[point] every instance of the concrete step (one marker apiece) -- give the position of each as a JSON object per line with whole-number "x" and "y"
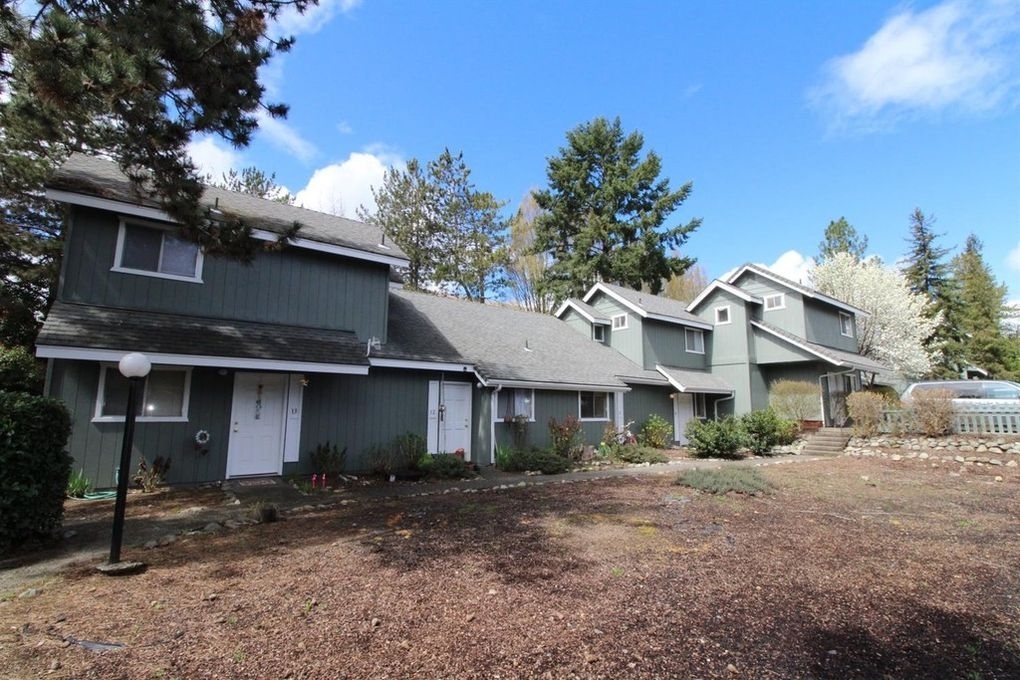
{"x": 828, "y": 441}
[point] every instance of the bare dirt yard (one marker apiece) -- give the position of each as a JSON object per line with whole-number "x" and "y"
{"x": 848, "y": 568}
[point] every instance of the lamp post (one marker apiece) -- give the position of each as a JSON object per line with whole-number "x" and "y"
{"x": 134, "y": 367}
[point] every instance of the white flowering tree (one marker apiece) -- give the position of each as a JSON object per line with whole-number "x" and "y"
{"x": 895, "y": 331}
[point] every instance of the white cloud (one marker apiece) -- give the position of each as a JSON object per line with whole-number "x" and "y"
{"x": 286, "y": 138}
{"x": 794, "y": 266}
{"x": 344, "y": 128}
{"x": 291, "y": 22}
{"x": 958, "y": 55}
{"x": 1013, "y": 258}
{"x": 212, "y": 157}
{"x": 341, "y": 188}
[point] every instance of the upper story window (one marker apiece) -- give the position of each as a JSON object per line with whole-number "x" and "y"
{"x": 152, "y": 251}
{"x": 694, "y": 341}
{"x": 619, "y": 322}
{"x": 722, "y": 315}
{"x": 593, "y": 405}
{"x": 514, "y": 402}
{"x": 777, "y": 301}
{"x": 164, "y": 396}
{"x": 598, "y": 333}
{"x": 846, "y": 325}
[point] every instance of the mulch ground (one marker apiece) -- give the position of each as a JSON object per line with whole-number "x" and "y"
{"x": 847, "y": 569}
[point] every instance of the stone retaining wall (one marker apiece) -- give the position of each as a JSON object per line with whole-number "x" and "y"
{"x": 984, "y": 450}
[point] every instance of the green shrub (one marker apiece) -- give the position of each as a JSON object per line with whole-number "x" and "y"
{"x": 656, "y": 432}
{"x": 640, "y": 454}
{"x": 715, "y": 438}
{"x": 34, "y": 467}
{"x": 329, "y": 459}
{"x": 762, "y": 429}
{"x": 738, "y": 479}
{"x": 931, "y": 412}
{"x": 564, "y": 436}
{"x": 546, "y": 462}
{"x": 78, "y": 485}
{"x": 866, "y": 409}
{"x": 796, "y": 400}
{"x": 447, "y": 466}
{"x": 19, "y": 371}
{"x": 788, "y": 431}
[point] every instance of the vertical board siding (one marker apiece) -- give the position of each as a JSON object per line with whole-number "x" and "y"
{"x": 627, "y": 341}
{"x": 823, "y": 326}
{"x": 556, "y": 404}
{"x": 362, "y": 412}
{"x": 644, "y": 400}
{"x": 95, "y": 447}
{"x": 294, "y": 286}
{"x": 666, "y": 344}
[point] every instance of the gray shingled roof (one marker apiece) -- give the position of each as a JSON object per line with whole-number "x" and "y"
{"x": 830, "y": 354}
{"x": 655, "y": 304}
{"x": 103, "y": 179}
{"x": 790, "y": 283}
{"x": 505, "y": 344}
{"x": 695, "y": 381}
{"x": 85, "y": 326}
{"x": 584, "y": 307}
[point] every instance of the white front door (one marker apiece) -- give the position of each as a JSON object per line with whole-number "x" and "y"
{"x": 449, "y": 421}
{"x": 257, "y": 420}
{"x": 683, "y": 412}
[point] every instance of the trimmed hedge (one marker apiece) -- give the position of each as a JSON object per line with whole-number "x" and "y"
{"x": 546, "y": 462}
{"x": 34, "y": 466}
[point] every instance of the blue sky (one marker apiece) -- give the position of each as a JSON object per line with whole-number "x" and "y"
{"x": 784, "y": 115}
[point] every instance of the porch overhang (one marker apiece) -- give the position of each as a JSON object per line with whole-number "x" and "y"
{"x": 694, "y": 381}
{"x": 562, "y": 387}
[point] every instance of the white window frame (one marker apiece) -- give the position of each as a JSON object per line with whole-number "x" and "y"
{"x": 598, "y": 332}
{"x": 602, "y": 418}
{"x": 622, "y": 318}
{"x": 530, "y": 399}
{"x": 98, "y": 417}
{"x": 846, "y": 325}
{"x": 775, "y": 301}
{"x": 694, "y": 332}
{"x": 118, "y": 267}
{"x": 723, "y": 311}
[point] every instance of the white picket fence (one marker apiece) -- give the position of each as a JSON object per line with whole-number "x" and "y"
{"x": 986, "y": 419}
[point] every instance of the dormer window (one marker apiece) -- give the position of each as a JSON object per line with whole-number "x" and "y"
{"x": 777, "y": 301}
{"x": 846, "y": 325}
{"x": 619, "y": 322}
{"x": 722, "y": 315}
{"x": 151, "y": 251}
{"x": 598, "y": 333}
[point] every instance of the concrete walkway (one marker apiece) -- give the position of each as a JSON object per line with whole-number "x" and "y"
{"x": 89, "y": 540}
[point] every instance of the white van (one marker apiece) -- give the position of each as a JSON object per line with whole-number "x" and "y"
{"x": 973, "y": 394}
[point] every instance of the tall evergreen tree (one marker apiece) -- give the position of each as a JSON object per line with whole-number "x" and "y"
{"x": 983, "y": 311}
{"x": 451, "y": 232}
{"x": 604, "y": 213}
{"x": 841, "y": 237}
{"x": 136, "y": 80}
{"x": 928, "y": 274}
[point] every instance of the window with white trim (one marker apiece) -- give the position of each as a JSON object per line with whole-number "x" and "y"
{"x": 515, "y": 401}
{"x": 619, "y": 322}
{"x": 694, "y": 341}
{"x": 598, "y": 333}
{"x": 846, "y": 325}
{"x": 722, "y": 315}
{"x": 593, "y": 405}
{"x": 151, "y": 251}
{"x": 164, "y": 397}
{"x": 777, "y": 301}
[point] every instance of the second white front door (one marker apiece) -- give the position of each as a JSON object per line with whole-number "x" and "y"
{"x": 256, "y": 424}
{"x": 683, "y": 412}
{"x": 449, "y": 420}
